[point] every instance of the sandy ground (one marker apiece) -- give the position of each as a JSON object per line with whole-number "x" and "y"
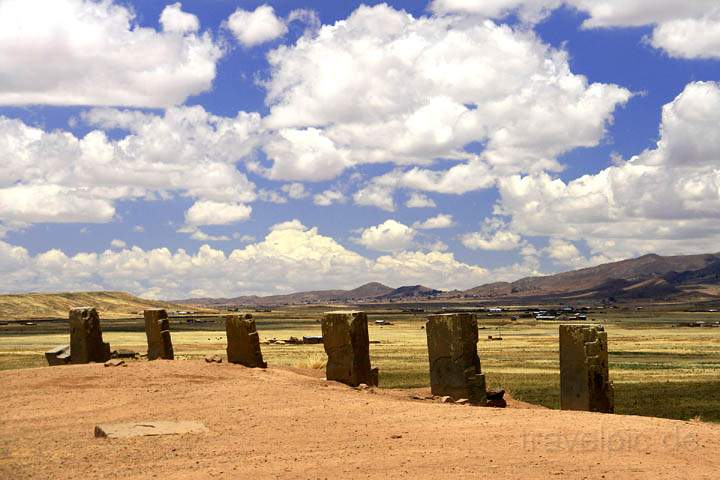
{"x": 278, "y": 423}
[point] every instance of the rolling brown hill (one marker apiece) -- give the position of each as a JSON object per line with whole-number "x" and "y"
{"x": 649, "y": 277}
{"x": 373, "y": 291}
{"x": 56, "y": 305}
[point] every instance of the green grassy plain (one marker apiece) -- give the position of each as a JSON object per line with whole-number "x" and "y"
{"x": 658, "y": 369}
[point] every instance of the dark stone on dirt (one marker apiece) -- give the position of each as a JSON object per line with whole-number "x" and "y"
{"x": 497, "y": 403}
{"x": 157, "y": 330}
{"x": 115, "y": 363}
{"x": 584, "y": 378}
{"x": 346, "y": 342}
{"x": 495, "y": 394}
{"x": 454, "y": 362}
{"x": 243, "y": 341}
{"x": 59, "y": 355}
{"x": 86, "y": 342}
{"x": 312, "y": 340}
{"x": 122, "y": 353}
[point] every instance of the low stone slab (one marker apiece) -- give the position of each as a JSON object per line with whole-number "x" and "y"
{"x": 59, "y": 355}
{"x": 147, "y": 429}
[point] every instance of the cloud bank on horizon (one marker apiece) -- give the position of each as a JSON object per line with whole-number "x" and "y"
{"x": 175, "y": 151}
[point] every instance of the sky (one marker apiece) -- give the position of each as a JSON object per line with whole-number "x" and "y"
{"x": 233, "y": 147}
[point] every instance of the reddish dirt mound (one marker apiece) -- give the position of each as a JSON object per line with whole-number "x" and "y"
{"x": 280, "y": 424}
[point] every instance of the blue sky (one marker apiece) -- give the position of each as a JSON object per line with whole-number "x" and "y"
{"x": 219, "y": 147}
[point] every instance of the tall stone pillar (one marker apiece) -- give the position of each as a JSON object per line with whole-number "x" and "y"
{"x": 347, "y": 344}
{"x": 584, "y": 378}
{"x": 243, "y": 341}
{"x": 454, "y": 363}
{"x": 157, "y": 330}
{"x": 86, "y": 342}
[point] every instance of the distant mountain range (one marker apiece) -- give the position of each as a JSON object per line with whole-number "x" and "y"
{"x": 370, "y": 291}
{"x": 650, "y": 277}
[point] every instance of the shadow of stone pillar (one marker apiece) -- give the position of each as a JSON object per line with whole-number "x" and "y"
{"x": 454, "y": 362}
{"x": 347, "y": 344}
{"x": 86, "y": 342}
{"x": 157, "y": 330}
{"x": 584, "y": 375}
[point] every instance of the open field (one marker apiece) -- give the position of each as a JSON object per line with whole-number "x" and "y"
{"x": 658, "y": 370}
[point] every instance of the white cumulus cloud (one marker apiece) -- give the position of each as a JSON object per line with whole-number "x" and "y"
{"x": 685, "y": 29}
{"x": 329, "y": 197}
{"x": 442, "y": 220}
{"x": 385, "y": 87}
{"x": 418, "y": 200}
{"x": 389, "y": 236}
{"x": 85, "y": 52}
{"x": 494, "y": 235}
{"x": 665, "y": 200}
{"x": 207, "y": 212}
{"x": 252, "y": 28}
{"x": 174, "y": 20}
{"x": 54, "y": 176}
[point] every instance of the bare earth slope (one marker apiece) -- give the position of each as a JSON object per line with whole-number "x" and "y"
{"x": 649, "y": 276}
{"x": 279, "y": 424}
{"x": 56, "y": 305}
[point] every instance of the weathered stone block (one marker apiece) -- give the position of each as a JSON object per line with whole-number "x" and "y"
{"x": 147, "y": 429}
{"x": 243, "y": 341}
{"x": 86, "y": 342}
{"x": 584, "y": 378}
{"x": 347, "y": 344}
{"x": 454, "y": 362}
{"x": 59, "y": 355}
{"x": 157, "y": 330}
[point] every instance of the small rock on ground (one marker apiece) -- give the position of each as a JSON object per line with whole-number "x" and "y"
{"x": 115, "y": 363}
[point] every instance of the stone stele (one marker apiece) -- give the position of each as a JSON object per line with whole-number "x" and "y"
{"x": 347, "y": 344}
{"x": 86, "y": 342}
{"x": 584, "y": 379}
{"x": 157, "y": 330}
{"x": 243, "y": 341}
{"x": 454, "y": 362}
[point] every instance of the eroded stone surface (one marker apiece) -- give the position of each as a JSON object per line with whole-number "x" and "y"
{"x": 157, "y": 330}
{"x": 147, "y": 429}
{"x": 454, "y": 362}
{"x": 86, "y": 342}
{"x": 243, "y": 341}
{"x": 59, "y": 355}
{"x": 346, "y": 342}
{"x": 584, "y": 377}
